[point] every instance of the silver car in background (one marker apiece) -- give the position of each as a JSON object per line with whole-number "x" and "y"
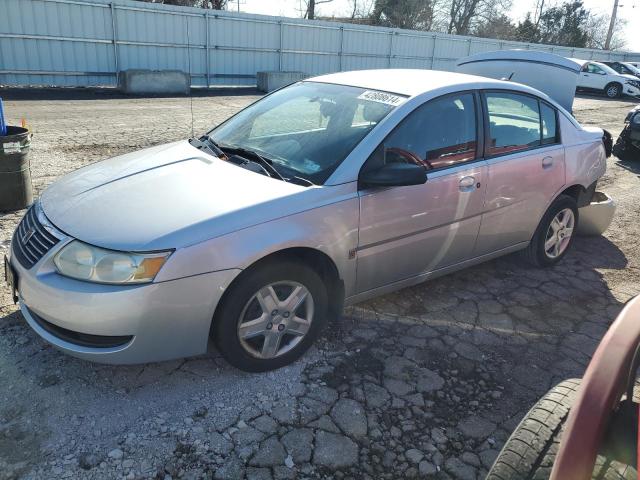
{"x": 324, "y": 193}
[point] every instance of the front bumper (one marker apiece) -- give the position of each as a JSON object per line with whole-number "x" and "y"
{"x": 631, "y": 90}
{"x": 120, "y": 324}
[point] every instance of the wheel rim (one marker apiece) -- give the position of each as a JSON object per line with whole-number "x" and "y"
{"x": 275, "y": 319}
{"x": 559, "y": 233}
{"x": 612, "y": 91}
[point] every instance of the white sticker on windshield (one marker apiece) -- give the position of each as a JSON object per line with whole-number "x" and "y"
{"x": 382, "y": 97}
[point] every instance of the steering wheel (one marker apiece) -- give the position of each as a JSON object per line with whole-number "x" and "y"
{"x": 409, "y": 157}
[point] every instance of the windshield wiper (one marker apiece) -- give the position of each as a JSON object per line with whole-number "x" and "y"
{"x": 301, "y": 181}
{"x": 213, "y": 146}
{"x": 256, "y": 158}
{"x": 200, "y": 145}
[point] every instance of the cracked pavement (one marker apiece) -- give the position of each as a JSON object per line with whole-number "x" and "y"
{"x": 427, "y": 382}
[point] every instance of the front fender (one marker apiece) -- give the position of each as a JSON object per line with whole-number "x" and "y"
{"x": 331, "y": 229}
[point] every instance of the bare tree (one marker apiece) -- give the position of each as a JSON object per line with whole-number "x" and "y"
{"x": 465, "y": 15}
{"x": 309, "y": 8}
{"x": 211, "y": 4}
{"x": 361, "y": 8}
{"x": 597, "y": 27}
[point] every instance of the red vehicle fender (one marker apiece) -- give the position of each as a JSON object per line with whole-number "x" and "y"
{"x": 602, "y": 387}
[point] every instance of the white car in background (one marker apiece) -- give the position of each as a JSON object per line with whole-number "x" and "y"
{"x": 596, "y": 76}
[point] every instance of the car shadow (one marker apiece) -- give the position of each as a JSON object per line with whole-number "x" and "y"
{"x": 632, "y": 166}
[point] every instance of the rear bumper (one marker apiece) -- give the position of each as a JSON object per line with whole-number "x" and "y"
{"x": 121, "y": 324}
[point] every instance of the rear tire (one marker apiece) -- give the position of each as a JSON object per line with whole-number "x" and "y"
{"x": 246, "y": 349}
{"x": 613, "y": 90}
{"x": 537, "y": 252}
{"x": 531, "y": 450}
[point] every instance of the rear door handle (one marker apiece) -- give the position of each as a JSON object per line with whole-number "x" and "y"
{"x": 467, "y": 184}
{"x": 547, "y": 162}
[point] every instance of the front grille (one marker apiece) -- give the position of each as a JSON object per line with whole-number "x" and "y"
{"x": 81, "y": 339}
{"x": 31, "y": 239}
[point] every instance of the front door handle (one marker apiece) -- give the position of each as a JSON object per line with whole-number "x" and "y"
{"x": 547, "y": 162}
{"x": 467, "y": 184}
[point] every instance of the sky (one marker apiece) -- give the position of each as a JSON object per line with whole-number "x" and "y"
{"x": 629, "y": 10}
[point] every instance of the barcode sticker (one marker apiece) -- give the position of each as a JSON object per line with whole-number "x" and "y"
{"x": 11, "y": 147}
{"x": 382, "y": 97}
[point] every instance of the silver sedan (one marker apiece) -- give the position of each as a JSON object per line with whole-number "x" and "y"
{"x": 324, "y": 193}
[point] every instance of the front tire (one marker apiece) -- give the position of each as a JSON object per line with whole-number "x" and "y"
{"x": 270, "y": 316}
{"x": 613, "y": 90}
{"x": 531, "y": 450}
{"x": 554, "y": 235}
{"x": 532, "y": 447}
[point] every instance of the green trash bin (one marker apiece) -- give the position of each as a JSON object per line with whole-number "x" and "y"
{"x": 16, "y": 191}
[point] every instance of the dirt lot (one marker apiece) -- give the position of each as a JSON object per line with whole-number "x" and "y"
{"x": 424, "y": 383}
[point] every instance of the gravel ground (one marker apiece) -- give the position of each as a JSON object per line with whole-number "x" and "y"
{"x": 427, "y": 382}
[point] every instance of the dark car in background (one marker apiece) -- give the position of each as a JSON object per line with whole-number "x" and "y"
{"x": 627, "y": 146}
{"x": 624, "y": 68}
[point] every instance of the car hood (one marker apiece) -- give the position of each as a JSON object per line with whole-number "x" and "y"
{"x": 164, "y": 197}
{"x": 627, "y": 76}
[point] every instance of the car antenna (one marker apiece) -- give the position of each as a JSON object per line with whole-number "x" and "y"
{"x": 186, "y": 19}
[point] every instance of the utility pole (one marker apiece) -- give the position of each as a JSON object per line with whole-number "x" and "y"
{"x": 612, "y": 24}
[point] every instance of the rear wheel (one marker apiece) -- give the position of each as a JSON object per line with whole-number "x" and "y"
{"x": 554, "y": 234}
{"x": 613, "y": 90}
{"x": 531, "y": 450}
{"x": 270, "y": 316}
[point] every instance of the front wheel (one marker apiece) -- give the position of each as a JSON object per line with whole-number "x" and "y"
{"x": 554, "y": 234}
{"x": 270, "y": 316}
{"x": 613, "y": 90}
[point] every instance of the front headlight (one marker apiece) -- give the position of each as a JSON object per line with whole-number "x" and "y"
{"x": 93, "y": 264}
{"x": 636, "y": 119}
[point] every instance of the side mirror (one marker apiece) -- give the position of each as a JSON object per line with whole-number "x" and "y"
{"x": 394, "y": 175}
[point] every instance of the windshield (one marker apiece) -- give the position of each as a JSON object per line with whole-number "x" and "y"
{"x": 307, "y": 129}
{"x": 630, "y": 66}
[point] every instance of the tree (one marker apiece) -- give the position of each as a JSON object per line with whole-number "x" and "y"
{"x": 528, "y": 30}
{"x": 499, "y": 26}
{"x": 310, "y": 8}
{"x": 211, "y": 4}
{"x": 466, "y": 15}
{"x": 411, "y": 14}
{"x": 566, "y": 24}
{"x": 360, "y": 9}
{"x": 596, "y": 29}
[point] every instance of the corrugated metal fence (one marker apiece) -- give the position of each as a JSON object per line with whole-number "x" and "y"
{"x": 86, "y": 43}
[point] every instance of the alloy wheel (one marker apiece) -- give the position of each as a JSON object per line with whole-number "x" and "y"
{"x": 275, "y": 319}
{"x": 612, "y": 91}
{"x": 559, "y": 233}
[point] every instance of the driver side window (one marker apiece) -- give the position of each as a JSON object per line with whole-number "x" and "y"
{"x": 438, "y": 134}
{"x": 595, "y": 69}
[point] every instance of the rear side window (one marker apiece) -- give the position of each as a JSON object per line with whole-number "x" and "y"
{"x": 549, "y": 126}
{"x": 438, "y": 134}
{"x": 514, "y": 123}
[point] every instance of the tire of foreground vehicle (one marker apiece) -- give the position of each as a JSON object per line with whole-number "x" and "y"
{"x": 531, "y": 450}
{"x": 250, "y": 315}
{"x": 536, "y": 253}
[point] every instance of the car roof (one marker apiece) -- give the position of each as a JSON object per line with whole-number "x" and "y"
{"x": 412, "y": 82}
